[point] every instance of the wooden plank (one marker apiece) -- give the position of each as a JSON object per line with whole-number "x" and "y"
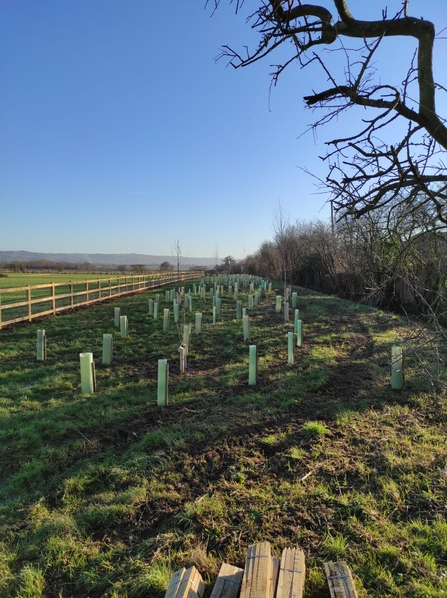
{"x": 185, "y": 583}
{"x": 340, "y": 581}
{"x": 291, "y": 574}
{"x": 228, "y": 582}
{"x": 258, "y": 571}
{"x": 274, "y": 576}
{"x": 176, "y": 578}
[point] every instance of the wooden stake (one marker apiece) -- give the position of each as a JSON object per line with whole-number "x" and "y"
{"x": 291, "y": 574}
{"x": 274, "y": 577}
{"x": 228, "y": 582}
{"x": 186, "y": 583}
{"x": 162, "y": 385}
{"x": 339, "y": 579}
{"x": 258, "y": 572}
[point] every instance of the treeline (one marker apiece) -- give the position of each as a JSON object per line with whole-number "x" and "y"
{"x": 44, "y": 266}
{"x": 383, "y": 260}
{"x": 49, "y": 266}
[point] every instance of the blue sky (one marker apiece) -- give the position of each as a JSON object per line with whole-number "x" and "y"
{"x": 119, "y": 132}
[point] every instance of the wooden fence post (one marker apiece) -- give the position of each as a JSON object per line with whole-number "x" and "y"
{"x": 28, "y": 298}
{"x": 53, "y": 297}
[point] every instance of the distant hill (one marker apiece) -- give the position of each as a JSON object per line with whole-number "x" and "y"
{"x": 105, "y": 259}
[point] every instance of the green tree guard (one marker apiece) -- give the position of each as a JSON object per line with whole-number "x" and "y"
{"x": 252, "y": 365}
{"x": 124, "y": 326}
{"x": 198, "y": 323}
{"x": 238, "y": 310}
{"x": 41, "y": 345}
{"x": 291, "y": 348}
{"x": 299, "y": 333}
{"x": 246, "y": 327}
{"x": 186, "y": 336}
{"x": 107, "y": 349}
{"x": 162, "y": 384}
{"x": 278, "y": 303}
{"x": 88, "y": 381}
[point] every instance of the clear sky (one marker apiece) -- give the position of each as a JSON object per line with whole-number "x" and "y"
{"x": 119, "y": 133}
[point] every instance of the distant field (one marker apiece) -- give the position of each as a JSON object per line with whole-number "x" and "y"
{"x": 21, "y": 280}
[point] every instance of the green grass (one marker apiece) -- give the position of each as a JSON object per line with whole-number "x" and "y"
{"x": 15, "y": 289}
{"x": 107, "y": 494}
{"x": 12, "y": 280}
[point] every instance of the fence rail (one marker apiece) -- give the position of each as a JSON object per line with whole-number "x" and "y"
{"x": 25, "y": 303}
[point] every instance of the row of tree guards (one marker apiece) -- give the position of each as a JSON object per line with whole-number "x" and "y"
{"x": 178, "y": 298}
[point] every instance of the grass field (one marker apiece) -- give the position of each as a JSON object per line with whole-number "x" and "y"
{"x": 21, "y": 280}
{"x": 14, "y": 290}
{"x": 108, "y": 494}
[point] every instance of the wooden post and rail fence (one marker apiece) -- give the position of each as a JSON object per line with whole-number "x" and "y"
{"x": 23, "y": 304}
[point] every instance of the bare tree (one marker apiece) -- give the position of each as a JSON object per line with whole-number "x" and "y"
{"x": 401, "y": 141}
{"x": 285, "y": 240}
{"x": 216, "y": 256}
{"x": 177, "y": 255}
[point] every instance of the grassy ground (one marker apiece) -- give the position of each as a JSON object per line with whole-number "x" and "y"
{"x": 11, "y": 280}
{"x": 107, "y": 494}
{"x": 14, "y": 290}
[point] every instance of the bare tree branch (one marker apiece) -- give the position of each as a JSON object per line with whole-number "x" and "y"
{"x": 368, "y": 169}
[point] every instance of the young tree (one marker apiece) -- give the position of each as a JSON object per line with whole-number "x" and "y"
{"x": 177, "y": 255}
{"x": 401, "y": 141}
